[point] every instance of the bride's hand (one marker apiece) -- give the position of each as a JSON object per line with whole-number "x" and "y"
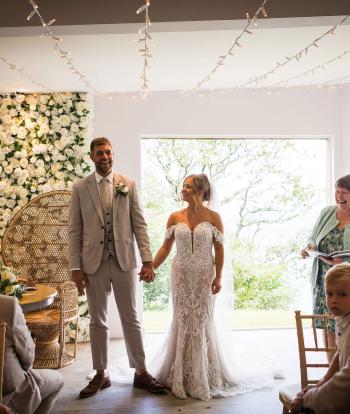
{"x": 216, "y": 285}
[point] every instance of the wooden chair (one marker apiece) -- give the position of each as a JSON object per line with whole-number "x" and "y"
{"x": 2, "y": 354}
{"x": 312, "y": 354}
{"x": 36, "y": 244}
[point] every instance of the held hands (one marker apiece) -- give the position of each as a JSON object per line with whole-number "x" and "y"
{"x": 81, "y": 281}
{"x": 147, "y": 272}
{"x": 216, "y": 286}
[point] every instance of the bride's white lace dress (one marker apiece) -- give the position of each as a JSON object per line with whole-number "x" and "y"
{"x": 193, "y": 363}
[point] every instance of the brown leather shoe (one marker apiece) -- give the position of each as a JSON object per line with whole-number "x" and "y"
{"x": 99, "y": 382}
{"x": 148, "y": 383}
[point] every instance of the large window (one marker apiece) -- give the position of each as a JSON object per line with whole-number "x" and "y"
{"x": 271, "y": 192}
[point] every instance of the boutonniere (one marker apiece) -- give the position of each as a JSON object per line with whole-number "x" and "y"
{"x": 121, "y": 188}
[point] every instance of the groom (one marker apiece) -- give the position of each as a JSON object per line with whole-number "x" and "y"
{"x": 105, "y": 216}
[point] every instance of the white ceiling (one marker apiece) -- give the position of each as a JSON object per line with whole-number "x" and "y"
{"x": 184, "y": 53}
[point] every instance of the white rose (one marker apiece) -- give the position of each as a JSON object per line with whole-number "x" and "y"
{"x": 23, "y": 162}
{"x": 18, "y": 172}
{"x": 59, "y": 145}
{"x": 78, "y": 170}
{"x": 10, "y": 203}
{"x": 55, "y": 120}
{"x": 39, "y": 149}
{"x": 64, "y": 141}
{"x": 39, "y": 172}
{"x": 74, "y": 127}
{"x": 47, "y": 158}
{"x": 59, "y": 175}
{"x": 13, "y": 112}
{"x": 8, "y": 169}
{"x": 80, "y": 106}
{"x": 69, "y": 152}
{"x": 33, "y": 160}
{"x": 51, "y": 102}
{"x": 65, "y": 120}
{"x": 2, "y": 201}
{"x": 47, "y": 113}
{"x": 13, "y": 162}
{"x": 13, "y": 130}
{"x": 69, "y": 167}
{"x": 23, "y": 192}
{"x": 40, "y": 163}
{"x": 22, "y": 132}
{"x": 9, "y": 290}
{"x": 22, "y": 202}
{"x": 46, "y": 187}
{"x": 3, "y": 185}
{"x": 6, "y": 138}
{"x": 4, "y": 163}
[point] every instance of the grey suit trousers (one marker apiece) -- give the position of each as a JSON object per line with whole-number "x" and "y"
{"x": 108, "y": 275}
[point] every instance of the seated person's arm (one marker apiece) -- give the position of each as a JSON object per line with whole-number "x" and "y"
{"x": 22, "y": 339}
{"x": 332, "y": 395}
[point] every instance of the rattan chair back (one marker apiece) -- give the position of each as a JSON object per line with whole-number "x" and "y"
{"x": 36, "y": 241}
{"x": 36, "y": 244}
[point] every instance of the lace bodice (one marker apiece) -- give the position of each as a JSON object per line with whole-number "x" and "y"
{"x": 198, "y": 241}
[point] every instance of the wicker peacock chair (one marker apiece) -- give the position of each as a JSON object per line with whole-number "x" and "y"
{"x": 36, "y": 244}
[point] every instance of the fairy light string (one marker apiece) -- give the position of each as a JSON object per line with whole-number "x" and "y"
{"x": 236, "y": 43}
{"x": 296, "y": 57}
{"x": 144, "y": 49}
{"x": 63, "y": 54}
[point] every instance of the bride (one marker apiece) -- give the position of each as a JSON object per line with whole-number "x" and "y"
{"x": 193, "y": 363}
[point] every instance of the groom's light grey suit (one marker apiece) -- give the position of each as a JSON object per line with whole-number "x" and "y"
{"x": 101, "y": 244}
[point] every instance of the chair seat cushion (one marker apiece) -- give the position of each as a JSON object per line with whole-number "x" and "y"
{"x": 287, "y": 394}
{"x": 44, "y": 317}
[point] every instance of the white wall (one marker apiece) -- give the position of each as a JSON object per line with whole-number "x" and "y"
{"x": 295, "y": 112}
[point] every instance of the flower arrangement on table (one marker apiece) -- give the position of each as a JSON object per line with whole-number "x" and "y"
{"x": 9, "y": 284}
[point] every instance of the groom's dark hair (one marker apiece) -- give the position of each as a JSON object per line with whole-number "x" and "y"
{"x": 99, "y": 141}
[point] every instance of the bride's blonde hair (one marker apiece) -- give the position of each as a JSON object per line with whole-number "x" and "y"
{"x": 201, "y": 184}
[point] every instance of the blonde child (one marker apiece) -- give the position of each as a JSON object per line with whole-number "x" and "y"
{"x": 331, "y": 395}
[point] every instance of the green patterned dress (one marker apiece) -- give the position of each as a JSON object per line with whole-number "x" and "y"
{"x": 332, "y": 242}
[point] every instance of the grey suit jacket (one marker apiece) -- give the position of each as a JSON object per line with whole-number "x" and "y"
{"x": 19, "y": 377}
{"x": 86, "y": 226}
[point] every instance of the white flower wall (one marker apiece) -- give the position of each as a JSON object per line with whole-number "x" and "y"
{"x": 44, "y": 145}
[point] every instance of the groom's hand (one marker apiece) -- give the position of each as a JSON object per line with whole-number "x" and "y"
{"x": 147, "y": 272}
{"x": 81, "y": 280}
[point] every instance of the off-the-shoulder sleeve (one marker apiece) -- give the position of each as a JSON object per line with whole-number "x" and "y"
{"x": 169, "y": 232}
{"x": 218, "y": 236}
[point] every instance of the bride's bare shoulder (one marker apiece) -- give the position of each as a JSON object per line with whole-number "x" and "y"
{"x": 214, "y": 218}
{"x": 175, "y": 217}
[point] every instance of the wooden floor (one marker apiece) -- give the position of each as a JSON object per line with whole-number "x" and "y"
{"x": 124, "y": 399}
